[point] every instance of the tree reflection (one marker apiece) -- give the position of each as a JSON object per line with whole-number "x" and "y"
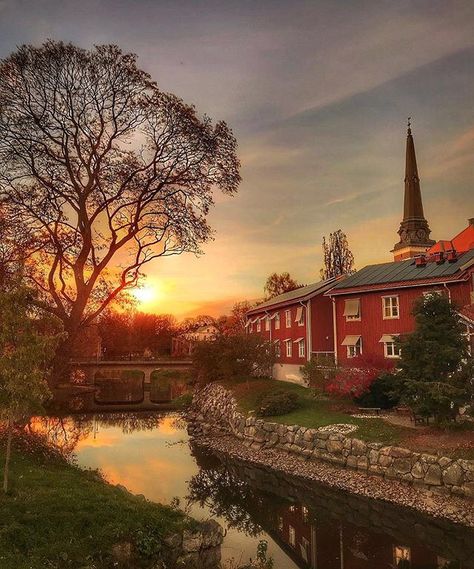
{"x": 230, "y": 497}
{"x": 62, "y": 433}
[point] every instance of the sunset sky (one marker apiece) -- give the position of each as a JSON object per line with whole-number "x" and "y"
{"x": 317, "y": 94}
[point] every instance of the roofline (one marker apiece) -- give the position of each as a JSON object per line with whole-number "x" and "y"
{"x": 394, "y": 285}
{"x": 322, "y": 291}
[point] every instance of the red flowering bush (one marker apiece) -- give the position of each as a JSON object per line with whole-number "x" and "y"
{"x": 356, "y": 380}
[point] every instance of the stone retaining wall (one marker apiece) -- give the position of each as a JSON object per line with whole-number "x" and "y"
{"x": 214, "y": 407}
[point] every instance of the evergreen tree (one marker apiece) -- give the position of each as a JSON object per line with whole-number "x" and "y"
{"x": 434, "y": 367}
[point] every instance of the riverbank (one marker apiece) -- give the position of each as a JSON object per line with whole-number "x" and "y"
{"x": 217, "y": 425}
{"x": 57, "y": 515}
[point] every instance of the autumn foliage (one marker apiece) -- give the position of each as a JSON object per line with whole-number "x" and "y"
{"x": 357, "y": 379}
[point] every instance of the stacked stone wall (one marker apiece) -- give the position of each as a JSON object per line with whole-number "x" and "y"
{"x": 214, "y": 408}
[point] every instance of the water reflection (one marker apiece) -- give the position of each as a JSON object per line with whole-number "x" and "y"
{"x": 307, "y": 526}
{"x": 321, "y": 528}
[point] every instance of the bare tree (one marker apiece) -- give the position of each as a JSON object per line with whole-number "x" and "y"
{"x": 338, "y": 259}
{"x": 105, "y": 170}
{"x": 278, "y": 284}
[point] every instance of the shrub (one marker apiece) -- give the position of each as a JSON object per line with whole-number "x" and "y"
{"x": 227, "y": 357}
{"x": 381, "y": 393}
{"x": 356, "y": 380}
{"x": 278, "y": 403}
{"x": 319, "y": 372}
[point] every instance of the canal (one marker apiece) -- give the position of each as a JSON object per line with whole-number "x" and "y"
{"x": 306, "y": 526}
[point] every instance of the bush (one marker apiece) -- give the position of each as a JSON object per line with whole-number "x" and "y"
{"x": 228, "y": 357}
{"x": 319, "y": 372}
{"x": 278, "y": 403}
{"x": 381, "y": 393}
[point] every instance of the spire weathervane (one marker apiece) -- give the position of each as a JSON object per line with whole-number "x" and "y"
{"x": 409, "y": 125}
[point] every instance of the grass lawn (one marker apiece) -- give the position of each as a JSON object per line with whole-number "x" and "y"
{"x": 59, "y": 516}
{"x": 316, "y": 413}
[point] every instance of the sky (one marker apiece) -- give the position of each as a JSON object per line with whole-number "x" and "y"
{"x": 317, "y": 94}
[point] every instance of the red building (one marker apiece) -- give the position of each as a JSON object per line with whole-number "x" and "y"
{"x": 299, "y": 323}
{"x": 373, "y": 306}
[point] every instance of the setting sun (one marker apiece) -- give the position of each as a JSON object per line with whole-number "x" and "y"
{"x": 147, "y": 294}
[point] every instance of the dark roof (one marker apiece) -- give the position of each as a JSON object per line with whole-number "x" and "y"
{"x": 401, "y": 271}
{"x": 302, "y": 293}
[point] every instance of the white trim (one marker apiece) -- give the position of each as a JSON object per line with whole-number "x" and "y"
{"x": 308, "y": 330}
{"x": 391, "y": 306}
{"x": 288, "y": 319}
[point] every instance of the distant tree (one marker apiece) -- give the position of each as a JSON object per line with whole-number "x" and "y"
{"x": 227, "y": 357}
{"x": 435, "y": 368}
{"x": 106, "y": 171}
{"x": 25, "y": 355}
{"x": 278, "y": 284}
{"x": 234, "y": 323}
{"x": 338, "y": 259}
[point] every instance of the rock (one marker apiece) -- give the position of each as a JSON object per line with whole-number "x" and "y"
{"x": 433, "y": 475}
{"x": 453, "y": 475}
{"x": 334, "y": 446}
{"x": 398, "y": 452}
{"x": 417, "y": 470}
{"x": 192, "y": 541}
{"x": 402, "y": 465}
{"x": 358, "y": 447}
{"x": 385, "y": 460}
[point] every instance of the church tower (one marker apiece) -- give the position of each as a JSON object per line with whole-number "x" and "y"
{"x": 414, "y": 231}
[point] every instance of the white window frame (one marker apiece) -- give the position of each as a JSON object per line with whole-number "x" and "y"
{"x": 259, "y": 325}
{"x": 289, "y": 348}
{"x": 355, "y": 350}
{"x": 354, "y": 318}
{"x": 288, "y": 318}
{"x": 401, "y": 553}
{"x": 389, "y": 308}
{"x": 277, "y": 321}
{"x": 267, "y": 324}
{"x": 301, "y": 349}
{"x": 390, "y": 350}
{"x": 278, "y": 349}
{"x": 291, "y": 536}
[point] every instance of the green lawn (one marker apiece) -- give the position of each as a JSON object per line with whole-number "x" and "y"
{"x": 313, "y": 412}
{"x": 59, "y": 516}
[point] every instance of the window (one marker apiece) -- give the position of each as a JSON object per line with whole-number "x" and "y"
{"x": 292, "y": 536}
{"x": 352, "y": 309}
{"x": 300, "y": 342}
{"x": 251, "y": 327}
{"x": 305, "y": 513}
{"x": 304, "y": 548}
{"x": 299, "y": 316}
{"x": 267, "y": 323}
{"x": 277, "y": 321}
{"x": 389, "y": 345}
{"x": 259, "y": 325}
{"x": 390, "y": 307}
{"x": 280, "y": 523}
{"x": 288, "y": 318}
{"x": 289, "y": 351}
{"x": 277, "y": 349}
{"x": 354, "y": 346}
{"x": 402, "y": 556}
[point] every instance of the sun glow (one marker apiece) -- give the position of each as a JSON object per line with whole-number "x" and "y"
{"x": 147, "y": 295}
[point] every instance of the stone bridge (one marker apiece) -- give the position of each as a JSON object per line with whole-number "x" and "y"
{"x": 91, "y": 367}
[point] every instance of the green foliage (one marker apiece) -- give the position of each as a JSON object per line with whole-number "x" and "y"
{"x": 227, "y": 357}
{"x": 435, "y": 369}
{"x": 279, "y": 284}
{"x": 317, "y": 372}
{"x": 278, "y": 403}
{"x": 25, "y": 354}
{"x": 60, "y": 516}
{"x": 382, "y": 393}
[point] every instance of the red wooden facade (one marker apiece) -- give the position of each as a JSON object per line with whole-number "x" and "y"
{"x": 299, "y": 326}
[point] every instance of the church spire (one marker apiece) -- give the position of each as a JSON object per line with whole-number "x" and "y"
{"x": 414, "y": 231}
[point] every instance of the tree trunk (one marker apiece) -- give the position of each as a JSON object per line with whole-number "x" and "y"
{"x": 61, "y": 365}
{"x": 7, "y": 456}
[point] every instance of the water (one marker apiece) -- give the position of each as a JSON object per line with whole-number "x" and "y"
{"x": 305, "y": 526}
